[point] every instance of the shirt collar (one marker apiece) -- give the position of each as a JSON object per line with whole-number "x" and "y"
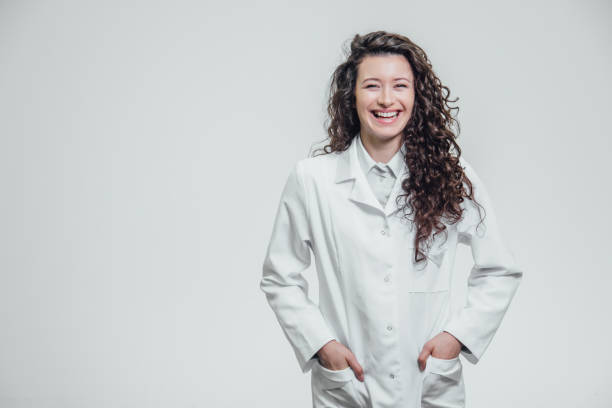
{"x": 367, "y": 162}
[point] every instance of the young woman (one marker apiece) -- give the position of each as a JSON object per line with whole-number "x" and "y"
{"x": 383, "y": 209}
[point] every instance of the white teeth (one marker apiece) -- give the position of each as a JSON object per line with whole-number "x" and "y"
{"x": 386, "y": 114}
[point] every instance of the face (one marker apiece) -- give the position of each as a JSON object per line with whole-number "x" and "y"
{"x": 384, "y": 95}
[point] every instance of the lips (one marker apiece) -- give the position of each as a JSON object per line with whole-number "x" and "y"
{"x": 386, "y": 121}
{"x": 386, "y": 111}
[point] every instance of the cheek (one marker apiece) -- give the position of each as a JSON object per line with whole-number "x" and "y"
{"x": 362, "y": 102}
{"x": 363, "y": 109}
{"x": 408, "y": 100}
{"x": 408, "y": 104}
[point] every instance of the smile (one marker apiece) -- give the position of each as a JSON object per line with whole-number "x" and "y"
{"x": 386, "y": 117}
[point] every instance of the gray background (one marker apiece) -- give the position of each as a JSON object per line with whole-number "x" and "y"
{"x": 144, "y": 146}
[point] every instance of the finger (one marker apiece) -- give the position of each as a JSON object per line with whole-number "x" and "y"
{"x": 355, "y": 366}
{"x": 425, "y": 353}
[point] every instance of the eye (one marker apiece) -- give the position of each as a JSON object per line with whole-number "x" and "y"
{"x": 367, "y": 86}
{"x": 405, "y": 86}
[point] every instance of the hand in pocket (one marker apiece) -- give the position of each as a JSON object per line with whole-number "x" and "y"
{"x": 443, "y": 346}
{"x": 336, "y": 356}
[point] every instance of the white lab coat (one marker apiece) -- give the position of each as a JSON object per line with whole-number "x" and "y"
{"x": 373, "y": 298}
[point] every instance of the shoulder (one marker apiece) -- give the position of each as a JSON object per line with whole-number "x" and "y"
{"x": 317, "y": 168}
{"x": 479, "y": 191}
{"x": 471, "y": 174}
{"x": 468, "y": 169}
{"x": 480, "y": 202}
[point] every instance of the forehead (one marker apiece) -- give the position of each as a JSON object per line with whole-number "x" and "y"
{"x": 384, "y": 66}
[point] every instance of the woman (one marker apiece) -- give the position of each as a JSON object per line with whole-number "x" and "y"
{"x": 383, "y": 210}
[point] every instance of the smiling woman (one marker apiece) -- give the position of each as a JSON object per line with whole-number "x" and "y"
{"x": 383, "y": 334}
{"x": 384, "y": 96}
{"x": 387, "y": 72}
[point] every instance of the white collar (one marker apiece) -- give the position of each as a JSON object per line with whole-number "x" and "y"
{"x": 367, "y": 162}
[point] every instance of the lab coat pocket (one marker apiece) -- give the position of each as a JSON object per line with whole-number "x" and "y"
{"x": 432, "y": 274}
{"x": 443, "y": 385}
{"x": 337, "y": 384}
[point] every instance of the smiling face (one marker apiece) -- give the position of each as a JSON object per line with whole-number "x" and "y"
{"x": 384, "y": 96}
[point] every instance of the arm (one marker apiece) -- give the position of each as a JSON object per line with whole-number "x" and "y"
{"x": 493, "y": 279}
{"x": 286, "y": 290}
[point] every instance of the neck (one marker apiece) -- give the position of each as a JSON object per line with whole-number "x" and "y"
{"x": 381, "y": 150}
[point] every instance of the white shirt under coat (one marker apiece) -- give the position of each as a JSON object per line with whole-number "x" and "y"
{"x": 381, "y": 176}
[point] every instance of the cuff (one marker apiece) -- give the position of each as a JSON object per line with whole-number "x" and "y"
{"x": 465, "y": 348}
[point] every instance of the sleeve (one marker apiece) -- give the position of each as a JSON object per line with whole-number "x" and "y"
{"x": 493, "y": 280}
{"x": 286, "y": 290}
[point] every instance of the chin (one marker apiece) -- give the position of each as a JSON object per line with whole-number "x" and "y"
{"x": 386, "y": 134}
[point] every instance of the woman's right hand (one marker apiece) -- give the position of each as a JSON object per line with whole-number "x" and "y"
{"x": 336, "y": 356}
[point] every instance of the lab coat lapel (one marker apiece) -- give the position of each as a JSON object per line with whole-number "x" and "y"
{"x": 361, "y": 192}
{"x": 348, "y": 169}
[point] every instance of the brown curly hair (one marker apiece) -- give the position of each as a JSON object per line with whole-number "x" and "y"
{"x": 436, "y": 184}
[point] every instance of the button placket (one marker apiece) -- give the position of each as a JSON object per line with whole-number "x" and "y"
{"x": 389, "y": 328}
{"x": 385, "y": 233}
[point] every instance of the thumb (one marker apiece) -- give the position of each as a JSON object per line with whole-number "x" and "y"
{"x": 425, "y": 353}
{"x": 355, "y": 366}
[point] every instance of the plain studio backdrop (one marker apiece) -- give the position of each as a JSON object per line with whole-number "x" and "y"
{"x": 144, "y": 147}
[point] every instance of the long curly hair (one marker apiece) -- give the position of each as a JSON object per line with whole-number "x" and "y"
{"x": 436, "y": 184}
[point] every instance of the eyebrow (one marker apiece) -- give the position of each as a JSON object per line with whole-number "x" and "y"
{"x": 395, "y": 79}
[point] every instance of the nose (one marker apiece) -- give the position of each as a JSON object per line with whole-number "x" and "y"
{"x": 385, "y": 97}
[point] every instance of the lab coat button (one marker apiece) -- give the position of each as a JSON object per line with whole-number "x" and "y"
{"x": 392, "y": 376}
{"x": 383, "y": 232}
{"x": 387, "y": 278}
{"x": 389, "y": 328}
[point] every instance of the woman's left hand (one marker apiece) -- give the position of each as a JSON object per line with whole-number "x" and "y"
{"x": 444, "y": 345}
